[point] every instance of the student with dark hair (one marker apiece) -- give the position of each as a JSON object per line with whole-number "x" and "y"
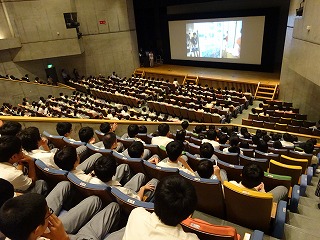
{"x": 110, "y": 141}
{"x": 234, "y": 145}
{"x": 185, "y": 125}
{"x": 262, "y": 146}
{"x": 28, "y": 217}
{"x": 223, "y": 138}
{"x": 252, "y": 177}
{"x": 107, "y": 128}
{"x": 162, "y": 139}
{"x": 207, "y": 169}
{"x": 6, "y": 191}
{"x": 175, "y": 200}
{"x": 244, "y": 145}
{"x": 308, "y": 149}
{"x": 207, "y": 152}
{"x": 211, "y": 138}
{"x": 37, "y": 146}
{"x": 64, "y": 129}
{"x": 143, "y": 129}
{"x": 12, "y": 163}
{"x": 105, "y": 169}
{"x": 287, "y": 140}
{"x": 10, "y": 128}
{"x": 277, "y": 144}
{"x": 175, "y": 160}
{"x": 86, "y": 135}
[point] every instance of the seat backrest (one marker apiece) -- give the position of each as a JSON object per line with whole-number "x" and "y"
{"x": 208, "y": 231}
{"x": 99, "y": 134}
{"x": 73, "y": 143}
{"x": 135, "y": 164}
{"x": 56, "y": 140}
{"x": 269, "y": 125}
{"x": 295, "y": 161}
{"x": 194, "y": 149}
{"x": 162, "y": 152}
{"x": 50, "y": 175}
{"x": 93, "y": 149}
{"x": 268, "y": 156}
{"x": 154, "y": 171}
{"x": 278, "y": 151}
{"x": 234, "y": 171}
{"x": 145, "y": 137}
{"x": 300, "y": 155}
{"x": 126, "y": 142}
{"x": 192, "y": 161}
{"x": 273, "y": 180}
{"x": 89, "y": 189}
{"x": 288, "y": 170}
{"x": 247, "y": 152}
{"x": 231, "y": 158}
{"x": 210, "y": 195}
{"x": 154, "y": 149}
{"x": 195, "y": 141}
{"x": 127, "y": 203}
{"x": 248, "y": 208}
{"x": 262, "y": 162}
{"x": 247, "y": 122}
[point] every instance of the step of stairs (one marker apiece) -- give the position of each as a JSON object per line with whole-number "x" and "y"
{"x": 310, "y": 192}
{"x": 295, "y": 233}
{"x": 309, "y": 212}
{"x": 309, "y": 202}
{"x": 301, "y": 221}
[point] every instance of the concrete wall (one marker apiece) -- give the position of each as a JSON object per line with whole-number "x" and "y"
{"x": 40, "y": 26}
{"x": 300, "y": 76}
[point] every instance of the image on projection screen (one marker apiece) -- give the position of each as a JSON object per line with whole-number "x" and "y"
{"x": 214, "y": 39}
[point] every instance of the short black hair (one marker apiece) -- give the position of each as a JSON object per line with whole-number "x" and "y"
{"x": 6, "y": 191}
{"x": 175, "y": 200}
{"x": 133, "y": 130}
{"x": 136, "y": 149}
{"x": 10, "y": 128}
{"x": 143, "y": 129}
{"x": 163, "y": 129}
{"x": 174, "y": 150}
{"x": 181, "y": 135}
{"x": 234, "y": 140}
{"x": 198, "y": 129}
{"x": 29, "y": 138}
{"x": 205, "y": 169}
{"x": 262, "y": 146}
{"x": 277, "y": 144}
{"x": 287, "y": 137}
{"x": 252, "y": 175}
{"x": 85, "y": 134}
{"x": 109, "y": 139}
{"x": 244, "y": 144}
{"x": 206, "y": 150}
{"x": 105, "y": 127}
{"x": 9, "y": 145}
{"x": 308, "y": 147}
{"x": 105, "y": 168}
{"x": 211, "y": 134}
{"x": 21, "y": 215}
{"x": 223, "y": 138}
{"x": 185, "y": 124}
{"x": 65, "y": 158}
{"x": 63, "y": 128}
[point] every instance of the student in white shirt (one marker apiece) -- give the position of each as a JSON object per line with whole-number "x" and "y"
{"x": 162, "y": 139}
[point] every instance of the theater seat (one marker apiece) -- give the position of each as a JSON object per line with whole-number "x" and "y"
{"x": 154, "y": 171}
{"x": 288, "y": 170}
{"x": 127, "y": 203}
{"x": 208, "y": 231}
{"x": 56, "y": 140}
{"x": 294, "y": 161}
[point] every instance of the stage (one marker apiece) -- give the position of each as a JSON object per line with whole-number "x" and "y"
{"x": 210, "y": 74}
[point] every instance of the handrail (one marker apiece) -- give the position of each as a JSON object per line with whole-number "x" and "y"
{"x": 255, "y": 95}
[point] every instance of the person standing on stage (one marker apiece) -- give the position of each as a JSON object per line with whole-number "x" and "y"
{"x": 151, "y": 59}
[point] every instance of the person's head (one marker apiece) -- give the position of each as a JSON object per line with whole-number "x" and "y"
{"x": 24, "y": 217}
{"x": 243, "y": 130}
{"x": 133, "y": 130}
{"x": 287, "y": 137}
{"x": 247, "y": 135}
{"x": 66, "y": 158}
{"x": 64, "y": 128}
{"x": 252, "y": 175}
{"x": 175, "y": 199}
{"x": 308, "y": 147}
{"x": 255, "y": 139}
{"x": 244, "y": 145}
{"x": 10, "y": 128}
{"x": 105, "y": 167}
{"x": 105, "y": 127}
{"x": 211, "y": 134}
{"x": 224, "y": 130}
{"x": 10, "y": 149}
{"x": 223, "y": 139}
{"x": 110, "y": 140}
{"x": 234, "y": 140}
{"x": 86, "y": 134}
{"x": 266, "y": 138}
{"x": 6, "y": 191}
{"x": 174, "y": 150}
{"x": 277, "y": 144}
{"x": 185, "y": 125}
{"x": 30, "y": 138}
{"x": 253, "y": 110}
{"x": 136, "y": 149}
{"x": 143, "y": 129}
{"x": 206, "y": 150}
{"x": 262, "y": 146}
{"x": 205, "y": 168}
{"x": 163, "y": 129}
{"x": 181, "y": 135}
{"x": 198, "y": 129}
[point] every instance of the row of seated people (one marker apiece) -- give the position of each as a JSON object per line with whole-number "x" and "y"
{"x": 98, "y": 224}
{"x": 282, "y": 124}
{"x": 155, "y": 90}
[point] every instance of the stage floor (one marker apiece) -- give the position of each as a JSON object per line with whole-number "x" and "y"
{"x": 214, "y": 74}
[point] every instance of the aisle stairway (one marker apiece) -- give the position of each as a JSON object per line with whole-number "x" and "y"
{"x": 266, "y": 91}
{"x": 305, "y": 224}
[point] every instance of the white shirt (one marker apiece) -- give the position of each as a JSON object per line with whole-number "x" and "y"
{"x": 19, "y": 181}
{"x": 145, "y": 225}
{"x": 287, "y": 144}
{"x": 178, "y": 165}
{"x": 161, "y": 141}
{"x": 45, "y": 156}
